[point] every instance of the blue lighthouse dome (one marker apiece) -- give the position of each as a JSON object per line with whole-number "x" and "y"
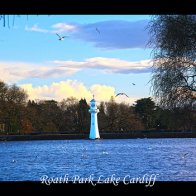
{"x": 93, "y": 103}
{"x": 93, "y": 100}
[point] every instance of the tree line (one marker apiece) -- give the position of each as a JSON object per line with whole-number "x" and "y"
{"x": 18, "y": 115}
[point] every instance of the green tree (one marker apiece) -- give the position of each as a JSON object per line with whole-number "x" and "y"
{"x": 127, "y": 120}
{"x": 34, "y": 115}
{"x": 51, "y": 115}
{"x": 112, "y": 115}
{"x": 145, "y": 108}
{"x": 83, "y": 116}
{"x": 45, "y": 116}
{"x": 12, "y": 106}
{"x": 102, "y": 122}
{"x": 3, "y": 104}
{"x": 70, "y": 120}
{"x": 173, "y": 38}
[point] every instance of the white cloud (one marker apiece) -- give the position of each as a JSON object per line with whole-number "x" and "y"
{"x": 15, "y": 71}
{"x": 112, "y": 65}
{"x": 35, "y": 28}
{"x": 73, "y": 88}
{"x": 56, "y": 28}
{"x": 102, "y": 92}
{"x": 63, "y": 27}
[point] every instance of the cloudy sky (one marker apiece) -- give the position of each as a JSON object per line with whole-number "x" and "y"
{"x": 101, "y": 55}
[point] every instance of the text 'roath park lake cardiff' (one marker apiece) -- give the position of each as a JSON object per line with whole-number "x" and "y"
{"x": 125, "y": 159}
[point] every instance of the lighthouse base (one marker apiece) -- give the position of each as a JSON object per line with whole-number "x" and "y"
{"x": 94, "y": 138}
{"x": 94, "y": 135}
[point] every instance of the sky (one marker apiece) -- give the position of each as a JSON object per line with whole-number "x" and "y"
{"x": 100, "y": 54}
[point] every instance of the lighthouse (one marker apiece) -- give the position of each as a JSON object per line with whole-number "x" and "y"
{"x": 94, "y": 131}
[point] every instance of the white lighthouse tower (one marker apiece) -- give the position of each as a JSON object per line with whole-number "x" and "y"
{"x": 94, "y": 131}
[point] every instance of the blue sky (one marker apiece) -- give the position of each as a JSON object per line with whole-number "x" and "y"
{"x": 101, "y": 55}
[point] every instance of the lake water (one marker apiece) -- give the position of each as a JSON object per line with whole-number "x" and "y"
{"x": 169, "y": 159}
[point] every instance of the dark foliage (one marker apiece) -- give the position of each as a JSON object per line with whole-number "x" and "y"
{"x": 20, "y": 116}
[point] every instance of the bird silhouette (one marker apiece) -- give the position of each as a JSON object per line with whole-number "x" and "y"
{"x": 133, "y": 83}
{"x": 97, "y": 30}
{"x": 61, "y": 38}
{"x": 184, "y": 155}
{"x": 121, "y": 94}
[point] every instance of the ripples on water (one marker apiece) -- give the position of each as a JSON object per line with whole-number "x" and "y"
{"x": 171, "y": 159}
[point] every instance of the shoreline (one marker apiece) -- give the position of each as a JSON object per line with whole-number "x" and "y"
{"x": 132, "y": 135}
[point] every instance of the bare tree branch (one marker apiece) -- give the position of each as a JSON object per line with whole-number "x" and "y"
{"x": 173, "y": 39}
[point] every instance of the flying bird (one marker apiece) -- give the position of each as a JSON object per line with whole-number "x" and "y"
{"x": 184, "y": 155}
{"x": 122, "y": 94}
{"x": 97, "y": 30}
{"x": 61, "y": 38}
{"x": 133, "y": 83}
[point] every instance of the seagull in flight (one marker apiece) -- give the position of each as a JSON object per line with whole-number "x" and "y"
{"x": 184, "y": 155}
{"x": 122, "y": 94}
{"x": 133, "y": 83}
{"x": 61, "y": 38}
{"x": 97, "y": 30}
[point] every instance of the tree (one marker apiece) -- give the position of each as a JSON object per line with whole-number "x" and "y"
{"x": 70, "y": 121}
{"x": 127, "y": 120}
{"x": 34, "y": 114}
{"x": 145, "y": 108}
{"x": 16, "y": 95}
{"x": 3, "y": 94}
{"x": 8, "y": 20}
{"x": 83, "y": 116}
{"x": 12, "y": 106}
{"x": 3, "y": 90}
{"x": 173, "y": 38}
{"x": 26, "y": 127}
{"x": 102, "y": 122}
{"x": 112, "y": 115}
